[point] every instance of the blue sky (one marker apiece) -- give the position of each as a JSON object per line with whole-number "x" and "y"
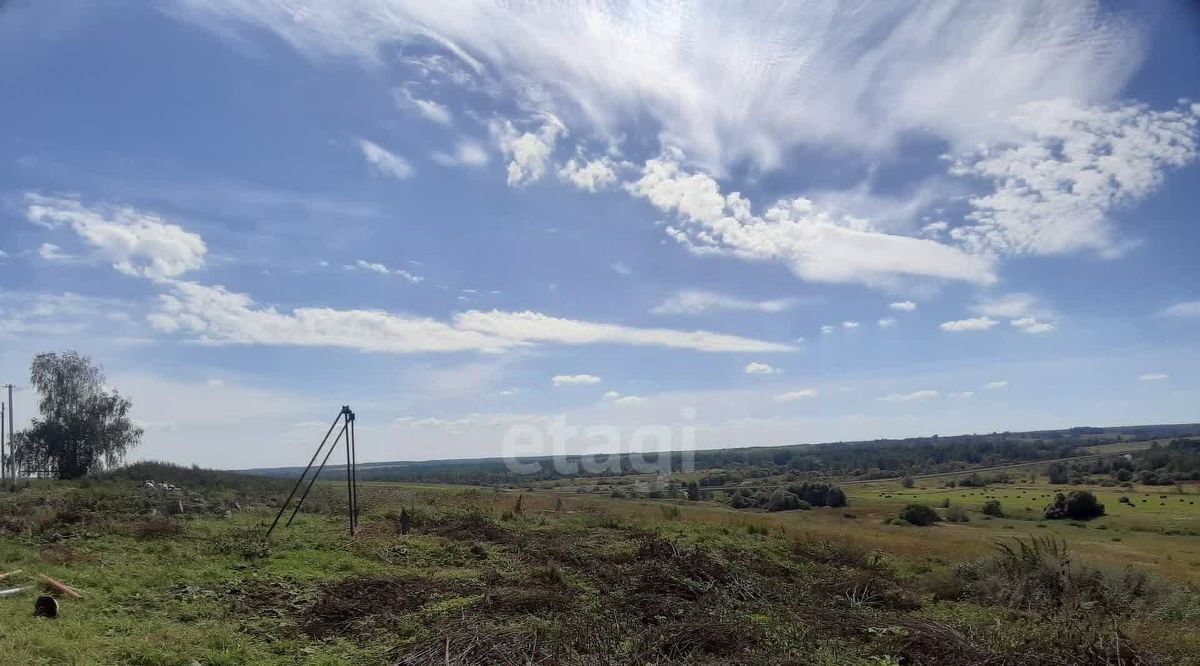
{"x": 770, "y": 224}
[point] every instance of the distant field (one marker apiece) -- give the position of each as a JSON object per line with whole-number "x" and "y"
{"x": 1125, "y": 535}
{"x": 1116, "y": 447}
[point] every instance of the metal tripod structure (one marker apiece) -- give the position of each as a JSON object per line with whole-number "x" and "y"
{"x": 346, "y": 419}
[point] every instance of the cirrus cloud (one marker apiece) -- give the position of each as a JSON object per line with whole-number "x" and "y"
{"x": 216, "y": 315}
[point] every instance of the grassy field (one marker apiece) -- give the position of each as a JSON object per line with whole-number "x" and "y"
{"x": 1161, "y": 532}
{"x": 553, "y": 579}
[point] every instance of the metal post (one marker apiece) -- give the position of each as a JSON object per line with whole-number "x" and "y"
{"x": 349, "y": 485}
{"x": 11, "y": 431}
{"x": 354, "y": 467}
{"x": 3, "y": 460}
{"x": 313, "y": 480}
{"x": 12, "y": 468}
{"x": 300, "y": 480}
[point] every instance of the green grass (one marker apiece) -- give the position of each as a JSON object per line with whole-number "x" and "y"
{"x": 210, "y": 594}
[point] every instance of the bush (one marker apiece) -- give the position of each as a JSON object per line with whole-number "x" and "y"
{"x": 1078, "y": 505}
{"x": 973, "y": 480}
{"x": 919, "y": 514}
{"x": 782, "y": 500}
{"x": 992, "y": 508}
{"x": 956, "y": 514}
{"x": 1039, "y": 575}
{"x": 1058, "y": 473}
{"x": 818, "y": 494}
{"x": 907, "y": 482}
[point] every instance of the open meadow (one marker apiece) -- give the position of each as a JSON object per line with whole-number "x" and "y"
{"x": 513, "y": 577}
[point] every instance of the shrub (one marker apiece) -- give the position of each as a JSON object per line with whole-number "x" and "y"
{"x": 956, "y": 514}
{"x": 1058, "y": 473}
{"x": 1078, "y": 505}
{"x": 972, "y": 481}
{"x": 992, "y": 508}
{"x": 907, "y": 482}
{"x": 1039, "y": 575}
{"x": 919, "y": 514}
{"x": 782, "y": 500}
{"x": 818, "y": 494}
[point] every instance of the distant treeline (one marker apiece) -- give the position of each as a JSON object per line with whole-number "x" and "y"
{"x": 1161, "y": 464}
{"x": 862, "y": 459}
{"x": 194, "y": 477}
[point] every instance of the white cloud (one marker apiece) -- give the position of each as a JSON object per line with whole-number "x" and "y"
{"x": 1184, "y": 309}
{"x": 887, "y": 322}
{"x": 427, "y": 108}
{"x": 903, "y": 306}
{"x": 1067, "y": 167}
{"x": 696, "y": 301}
{"x": 622, "y": 269}
{"x": 53, "y": 253}
{"x": 998, "y": 384}
{"x": 962, "y": 395}
{"x": 973, "y": 324}
{"x": 467, "y": 152}
{"x": 1032, "y": 326}
{"x": 215, "y": 315}
{"x": 1023, "y": 311}
{"x": 535, "y": 327}
{"x": 136, "y": 243}
{"x": 849, "y": 324}
{"x": 592, "y": 176}
{"x": 528, "y": 152}
{"x": 1011, "y": 306}
{"x": 792, "y": 396}
{"x": 569, "y": 380}
{"x": 935, "y": 229}
{"x": 619, "y": 399}
{"x": 375, "y": 267}
{"x": 801, "y": 74}
{"x": 757, "y": 368}
{"x": 1153, "y": 377}
{"x": 817, "y": 246}
{"x": 926, "y": 394}
{"x": 827, "y": 329}
{"x": 384, "y": 161}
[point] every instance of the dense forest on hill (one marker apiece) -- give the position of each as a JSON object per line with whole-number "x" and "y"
{"x": 863, "y": 459}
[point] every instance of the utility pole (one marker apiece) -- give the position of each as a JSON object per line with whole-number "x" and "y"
{"x": 3, "y": 474}
{"x": 12, "y": 469}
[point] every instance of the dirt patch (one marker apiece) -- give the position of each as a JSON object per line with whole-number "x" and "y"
{"x": 60, "y": 555}
{"x": 358, "y": 604}
{"x": 266, "y": 597}
{"x": 468, "y": 526}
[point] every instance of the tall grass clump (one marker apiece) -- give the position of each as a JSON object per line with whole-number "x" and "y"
{"x": 1038, "y": 575}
